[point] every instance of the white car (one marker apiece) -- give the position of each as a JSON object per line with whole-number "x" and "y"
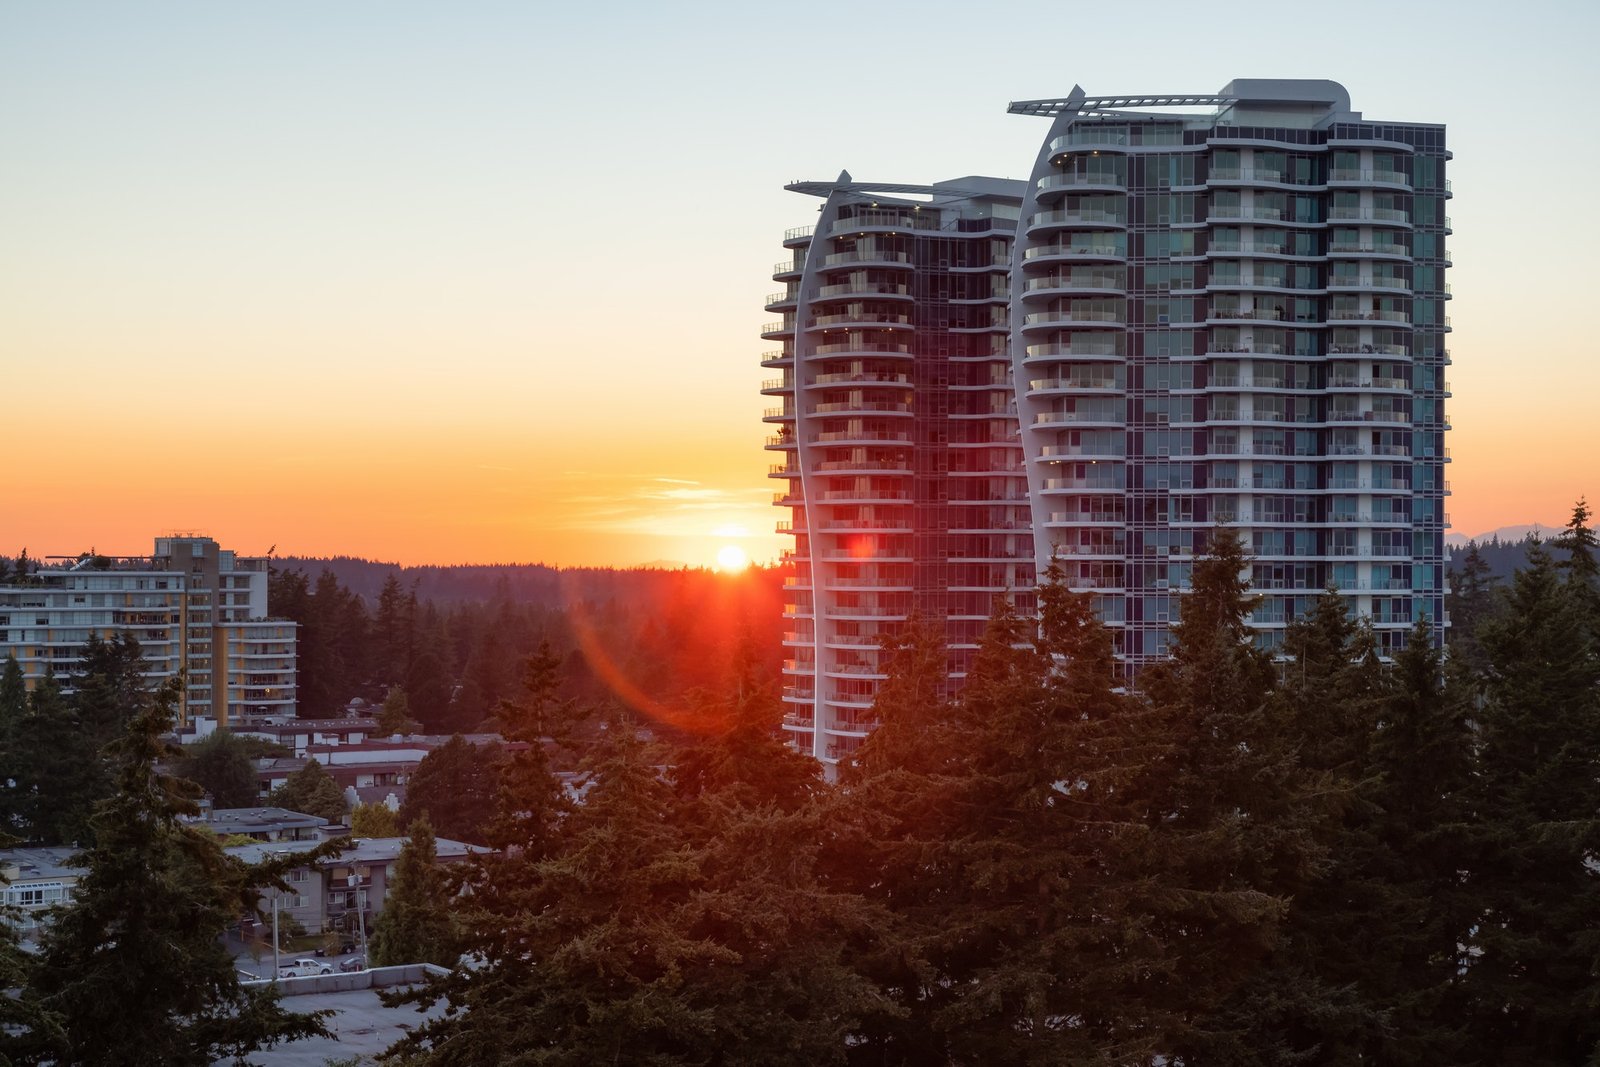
{"x": 303, "y": 968}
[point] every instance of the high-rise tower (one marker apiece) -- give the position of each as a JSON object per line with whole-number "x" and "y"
{"x": 898, "y": 432}
{"x": 1202, "y": 311}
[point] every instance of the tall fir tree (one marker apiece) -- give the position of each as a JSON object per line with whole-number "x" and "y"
{"x": 1240, "y": 824}
{"x": 1533, "y": 981}
{"x": 416, "y": 925}
{"x": 134, "y": 968}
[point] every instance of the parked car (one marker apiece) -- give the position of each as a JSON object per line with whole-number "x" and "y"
{"x": 302, "y": 968}
{"x": 345, "y": 948}
{"x": 354, "y": 963}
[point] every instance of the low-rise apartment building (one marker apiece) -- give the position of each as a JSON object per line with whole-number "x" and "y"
{"x": 194, "y": 607}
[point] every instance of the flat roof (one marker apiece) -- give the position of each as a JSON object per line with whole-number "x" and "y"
{"x": 39, "y": 863}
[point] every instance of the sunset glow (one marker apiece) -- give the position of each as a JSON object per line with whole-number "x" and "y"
{"x": 434, "y": 289}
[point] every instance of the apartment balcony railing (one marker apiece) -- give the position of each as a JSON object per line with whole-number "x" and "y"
{"x": 1388, "y": 248}
{"x": 913, "y": 220}
{"x": 1067, "y": 318}
{"x": 1237, "y": 248}
{"x": 861, "y": 378}
{"x": 1368, "y": 214}
{"x": 1098, "y": 250}
{"x": 1082, "y": 216}
{"x": 1076, "y": 181}
{"x": 863, "y": 346}
{"x": 861, "y": 318}
{"x": 1039, "y": 384}
{"x": 1079, "y": 281}
{"x": 1245, "y": 174}
{"x": 794, "y": 233}
{"x": 862, "y": 289}
{"x": 860, "y": 255}
{"x": 1384, "y": 177}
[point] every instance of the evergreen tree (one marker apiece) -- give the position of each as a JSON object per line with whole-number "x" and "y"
{"x": 1409, "y": 939}
{"x": 1533, "y": 979}
{"x": 1582, "y": 565}
{"x": 106, "y": 682}
{"x": 1238, "y": 821}
{"x": 13, "y": 710}
{"x": 392, "y": 632}
{"x": 1474, "y": 600}
{"x": 416, "y": 925}
{"x": 134, "y": 967}
{"x": 222, "y": 766}
{"x": 313, "y": 791}
{"x": 395, "y": 715}
{"x": 455, "y": 786}
{"x": 57, "y": 775}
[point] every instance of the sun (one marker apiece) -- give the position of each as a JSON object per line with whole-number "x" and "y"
{"x": 732, "y": 558}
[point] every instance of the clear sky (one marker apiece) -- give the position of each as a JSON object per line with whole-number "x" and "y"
{"x": 443, "y": 282}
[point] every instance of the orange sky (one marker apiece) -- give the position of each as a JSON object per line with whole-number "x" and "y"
{"x": 429, "y": 288}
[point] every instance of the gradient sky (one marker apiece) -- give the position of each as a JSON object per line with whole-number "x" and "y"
{"x": 438, "y": 282}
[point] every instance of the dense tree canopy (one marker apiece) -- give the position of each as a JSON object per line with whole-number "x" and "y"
{"x": 134, "y": 971}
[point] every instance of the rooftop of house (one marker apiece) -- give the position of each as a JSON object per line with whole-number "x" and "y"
{"x": 39, "y": 864}
{"x": 257, "y": 820}
{"x": 362, "y": 850}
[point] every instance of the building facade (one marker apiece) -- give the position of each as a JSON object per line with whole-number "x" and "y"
{"x": 1218, "y": 310}
{"x": 902, "y": 462}
{"x": 193, "y": 606}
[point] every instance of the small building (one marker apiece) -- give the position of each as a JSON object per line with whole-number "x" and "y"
{"x": 39, "y": 878}
{"x": 264, "y": 824}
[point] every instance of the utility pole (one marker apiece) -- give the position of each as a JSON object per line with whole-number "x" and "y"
{"x": 361, "y": 919}
{"x": 274, "y": 935}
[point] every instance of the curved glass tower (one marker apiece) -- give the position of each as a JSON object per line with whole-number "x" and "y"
{"x": 1199, "y": 311}
{"x": 1235, "y": 318}
{"x": 898, "y": 431}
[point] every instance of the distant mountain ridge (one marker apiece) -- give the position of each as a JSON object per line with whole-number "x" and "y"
{"x": 1505, "y": 533}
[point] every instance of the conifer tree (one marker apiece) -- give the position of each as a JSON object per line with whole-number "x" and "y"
{"x": 416, "y": 925}
{"x": 1533, "y": 979}
{"x": 394, "y": 717}
{"x": 58, "y": 776}
{"x": 134, "y": 968}
{"x": 313, "y": 791}
{"x": 1582, "y": 565}
{"x": 1474, "y": 599}
{"x": 1239, "y": 822}
{"x": 1411, "y": 936}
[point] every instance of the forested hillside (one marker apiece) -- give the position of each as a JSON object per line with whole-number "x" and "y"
{"x": 644, "y": 636}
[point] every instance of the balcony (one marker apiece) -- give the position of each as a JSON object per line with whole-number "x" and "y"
{"x": 1369, "y": 214}
{"x": 1077, "y": 250}
{"x": 865, "y": 318}
{"x": 852, "y": 407}
{"x": 1232, "y": 175}
{"x": 862, "y": 289}
{"x": 1039, "y": 385}
{"x": 1114, "y": 282}
{"x": 867, "y": 255}
{"x": 1043, "y": 319}
{"x": 1080, "y": 217}
{"x": 861, "y": 378}
{"x": 1369, "y": 177}
{"x": 885, "y": 220}
{"x": 1080, "y": 181}
{"x": 1077, "y": 349}
{"x": 877, "y": 347}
